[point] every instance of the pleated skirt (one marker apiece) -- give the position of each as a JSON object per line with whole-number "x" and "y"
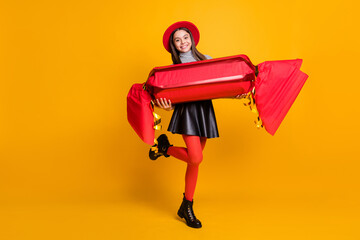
{"x": 194, "y": 118}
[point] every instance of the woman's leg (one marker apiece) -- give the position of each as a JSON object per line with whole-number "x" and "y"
{"x": 193, "y": 156}
{"x": 181, "y": 152}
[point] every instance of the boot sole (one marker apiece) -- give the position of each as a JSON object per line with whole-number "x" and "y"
{"x": 182, "y": 216}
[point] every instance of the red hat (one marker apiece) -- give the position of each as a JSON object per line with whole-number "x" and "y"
{"x": 192, "y": 28}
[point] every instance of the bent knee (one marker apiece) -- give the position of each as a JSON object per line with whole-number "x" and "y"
{"x": 195, "y": 160}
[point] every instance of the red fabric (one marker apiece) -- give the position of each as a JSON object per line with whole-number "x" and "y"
{"x": 193, "y": 156}
{"x": 208, "y": 79}
{"x": 140, "y": 113}
{"x": 277, "y": 86}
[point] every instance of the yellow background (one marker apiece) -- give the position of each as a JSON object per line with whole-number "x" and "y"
{"x": 71, "y": 166}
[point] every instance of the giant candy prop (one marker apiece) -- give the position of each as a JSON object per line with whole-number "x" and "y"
{"x": 271, "y": 89}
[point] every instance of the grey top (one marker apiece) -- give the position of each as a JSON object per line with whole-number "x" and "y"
{"x": 188, "y": 57}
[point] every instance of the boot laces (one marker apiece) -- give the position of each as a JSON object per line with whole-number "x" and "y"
{"x": 191, "y": 214}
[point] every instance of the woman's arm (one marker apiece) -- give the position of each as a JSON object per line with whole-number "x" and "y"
{"x": 165, "y": 104}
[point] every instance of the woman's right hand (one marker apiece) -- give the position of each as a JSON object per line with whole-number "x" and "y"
{"x": 164, "y": 104}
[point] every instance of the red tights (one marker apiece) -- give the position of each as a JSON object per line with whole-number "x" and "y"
{"x": 193, "y": 156}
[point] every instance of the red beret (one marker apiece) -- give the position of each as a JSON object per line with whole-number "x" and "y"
{"x": 192, "y": 28}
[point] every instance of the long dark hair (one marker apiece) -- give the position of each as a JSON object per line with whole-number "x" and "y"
{"x": 175, "y": 55}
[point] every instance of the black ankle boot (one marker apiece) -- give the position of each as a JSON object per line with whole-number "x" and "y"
{"x": 186, "y": 211}
{"x": 160, "y": 149}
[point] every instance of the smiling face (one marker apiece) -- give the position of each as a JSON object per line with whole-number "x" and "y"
{"x": 182, "y": 41}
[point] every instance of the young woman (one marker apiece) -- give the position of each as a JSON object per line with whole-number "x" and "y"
{"x": 195, "y": 121}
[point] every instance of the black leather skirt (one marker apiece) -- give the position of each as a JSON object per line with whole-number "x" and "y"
{"x": 194, "y": 118}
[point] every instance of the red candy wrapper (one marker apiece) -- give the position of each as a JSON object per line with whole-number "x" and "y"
{"x": 274, "y": 89}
